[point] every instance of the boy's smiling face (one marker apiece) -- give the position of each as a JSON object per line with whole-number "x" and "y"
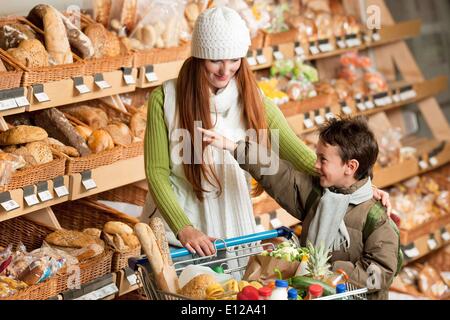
{"x": 333, "y": 171}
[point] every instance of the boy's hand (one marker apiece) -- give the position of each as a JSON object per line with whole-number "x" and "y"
{"x": 217, "y": 140}
{"x": 383, "y": 196}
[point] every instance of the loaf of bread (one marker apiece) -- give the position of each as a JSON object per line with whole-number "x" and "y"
{"x": 84, "y": 131}
{"x": 128, "y": 14}
{"x": 81, "y": 43}
{"x": 138, "y": 123}
{"x": 157, "y": 225}
{"x": 102, "y": 9}
{"x": 23, "y": 152}
{"x": 113, "y": 46}
{"x": 33, "y": 273}
{"x": 40, "y": 151}
{"x": 30, "y": 53}
{"x": 93, "y": 232}
{"x": 99, "y": 141}
{"x": 196, "y": 288}
{"x": 130, "y": 240}
{"x": 21, "y": 135}
{"x": 67, "y": 150}
{"x": 117, "y": 227}
{"x": 72, "y": 238}
{"x": 95, "y": 118}
{"x": 58, "y": 127}
{"x": 120, "y": 133}
{"x": 11, "y": 35}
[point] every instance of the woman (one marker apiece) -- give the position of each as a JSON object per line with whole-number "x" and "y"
{"x": 202, "y": 199}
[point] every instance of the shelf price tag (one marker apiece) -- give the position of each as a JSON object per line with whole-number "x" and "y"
{"x": 87, "y": 181}
{"x": 376, "y": 35}
{"x": 422, "y": 164}
{"x": 382, "y": 99}
{"x": 432, "y": 243}
{"x": 7, "y": 203}
{"x": 307, "y": 121}
{"x": 407, "y": 93}
{"x": 59, "y": 187}
{"x": 360, "y": 105}
{"x": 445, "y": 235}
{"x": 277, "y": 54}
{"x": 410, "y": 251}
{"x": 127, "y": 76}
{"x": 8, "y": 104}
{"x": 318, "y": 118}
{"x": 313, "y": 49}
{"x": 274, "y": 221}
{"x": 328, "y": 114}
{"x": 22, "y": 101}
{"x": 43, "y": 192}
{"x": 39, "y": 94}
{"x": 9, "y": 97}
{"x": 367, "y": 39}
{"x": 29, "y": 196}
{"x": 251, "y": 59}
{"x": 259, "y": 226}
{"x": 341, "y": 43}
{"x": 352, "y": 40}
{"x": 80, "y": 86}
{"x": 101, "y": 82}
{"x": 260, "y": 57}
{"x": 150, "y": 74}
{"x": 298, "y": 49}
{"x": 325, "y": 45}
{"x": 132, "y": 279}
{"x": 101, "y": 293}
{"x": 368, "y": 103}
{"x": 345, "y": 108}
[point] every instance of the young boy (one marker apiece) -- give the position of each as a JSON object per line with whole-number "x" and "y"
{"x": 334, "y": 207}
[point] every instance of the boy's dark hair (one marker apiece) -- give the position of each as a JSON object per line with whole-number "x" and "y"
{"x": 355, "y": 141}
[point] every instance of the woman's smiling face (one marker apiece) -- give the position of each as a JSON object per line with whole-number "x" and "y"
{"x": 220, "y": 72}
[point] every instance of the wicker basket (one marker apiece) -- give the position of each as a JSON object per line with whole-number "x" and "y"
{"x": 78, "y": 165}
{"x": 129, "y": 194}
{"x": 107, "y": 64}
{"x": 44, "y": 74}
{"x": 133, "y": 150}
{"x": 87, "y": 213}
{"x": 31, "y": 234}
{"x": 9, "y": 79}
{"x": 163, "y": 55}
{"x": 35, "y": 174}
{"x": 272, "y": 39}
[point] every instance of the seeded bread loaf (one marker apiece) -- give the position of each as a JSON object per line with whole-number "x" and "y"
{"x": 30, "y": 53}
{"x": 21, "y": 135}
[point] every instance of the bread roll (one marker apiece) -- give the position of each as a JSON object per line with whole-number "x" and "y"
{"x": 120, "y": 133}
{"x": 157, "y": 225}
{"x": 31, "y": 53}
{"x": 93, "y": 232}
{"x": 117, "y": 227}
{"x": 99, "y": 141}
{"x": 83, "y": 131}
{"x": 119, "y": 244}
{"x": 138, "y": 123}
{"x": 99, "y": 38}
{"x": 130, "y": 240}
{"x": 21, "y": 135}
{"x": 72, "y": 238}
{"x": 40, "y": 151}
{"x": 196, "y": 288}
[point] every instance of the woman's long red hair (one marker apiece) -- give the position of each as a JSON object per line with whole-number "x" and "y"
{"x": 192, "y": 100}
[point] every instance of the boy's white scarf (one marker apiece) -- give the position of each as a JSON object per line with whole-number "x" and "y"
{"x": 328, "y": 225}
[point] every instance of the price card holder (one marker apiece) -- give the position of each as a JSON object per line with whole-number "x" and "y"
{"x": 127, "y": 76}
{"x": 251, "y": 59}
{"x": 341, "y": 42}
{"x": 29, "y": 195}
{"x": 101, "y": 82}
{"x": 100, "y": 293}
{"x": 410, "y": 251}
{"x": 367, "y": 38}
{"x": 78, "y": 82}
{"x": 380, "y": 99}
{"x": 87, "y": 180}
{"x": 274, "y": 221}
{"x": 313, "y": 48}
{"x": 445, "y": 235}
{"x": 432, "y": 159}
{"x": 396, "y": 96}
{"x": 277, "y": 54}
{"x": 20, "y": 98}
{"x": 360, "y": 104}
{"x": 39, "y": 94}
{"x": 345, "y": 108}
{"x": 325, "y": 45}
{"x": 7, "y": 203}
{"x": 352, "y": 40}
{"x": 131, "y": 278}
{"x": 259, "y": 226}
{"x": 43, "y": 192}
{"x": 368, "y": 103}
{"x": 307, "y": 121}
{"x": 7, "y": 99}
{"x": 298, "y": 50}
{"x": 407, "y": 93}
{"x": 150, "y": 74}
{"x": 328, "y": 114}
{"x": 260, "y": 57}
{"x": 431, "y": 242}
{"x": 318, "y": 118}
{"x": 59, "y": 187}
{"x": 423, "y": 165}
{"x": 376, "y": 35}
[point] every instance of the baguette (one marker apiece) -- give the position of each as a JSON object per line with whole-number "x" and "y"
{"x": 157, "y": 225}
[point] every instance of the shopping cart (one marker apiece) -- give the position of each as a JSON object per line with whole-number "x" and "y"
{"x": 237, "y": 250}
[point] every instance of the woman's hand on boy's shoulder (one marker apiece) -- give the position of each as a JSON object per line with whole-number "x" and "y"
{"x": 384, "y": 197}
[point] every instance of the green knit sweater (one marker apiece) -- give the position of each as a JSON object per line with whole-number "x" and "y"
{"x": 157, "y": 161}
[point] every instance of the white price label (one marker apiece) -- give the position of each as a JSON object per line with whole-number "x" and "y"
{"x": 329, "y": 116}
{"x": 260, "y": 228}
{"x": 41, "y": 97}
{"x": 8, "y": 104}
{"x": 45, "y": 195}
{"x": 129, "y": 79}
{"x": 100, "y": 293}
{"x": 276, "y": 223}
{"x": 410, "y": 94}
{"x": 396, "y": 98}
{"x": 103, "y": 84}
{"x": 308, "y": 123}
{"x": 314, "y": 50}
{"x": 341, "y": 44}
{"x": 31, "y": 200}
{"x": 411, "y": 253}
{"x": 319, "y": 120}
{"x": 89, "y": 184}
{"x": 432, "y": 244}
{"x": 347, "y": 110}
{"x": 380, "y": 102}
{"x": 278, "y": 55}
{"x": 361, "y": 106}
{"x": 423, "y": 165}
{"x": 132, "y": 279}
{"x": 326, "y": 47}
{"x": 261, "y": 59}
{"x": 251, "y": 61}
{"x": 388, "y": 100}
{"x": 22, "y": 102}
{"x": 376, "y": 36}
{"x": 151, "y": 77}
{"x": 367, "y": 39}
{"x": 353, "y": 42}
{"x": 445, "y": 236}
{"x": 369, "y": 104}
{"x": 299, "y": 51}
{"x": 82, "y": 88}
{"x": 10, "y": 205}
{"x": 433, "y": 161}
{"x": 61, "y": 191}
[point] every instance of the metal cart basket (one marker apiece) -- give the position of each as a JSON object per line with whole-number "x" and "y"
{"x": 232, "y": 252}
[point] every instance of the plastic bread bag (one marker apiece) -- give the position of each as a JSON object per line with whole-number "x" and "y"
{"x": 9, "y": 163}
{"x": 5, "y": 258}
{"x": 122, "y": 16}
{"x": 55, "y": 253}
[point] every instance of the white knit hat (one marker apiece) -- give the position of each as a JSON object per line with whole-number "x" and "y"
{"x": 220, "y": 33}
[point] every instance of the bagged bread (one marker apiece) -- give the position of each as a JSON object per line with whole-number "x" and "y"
{"x": 196, "y": 288}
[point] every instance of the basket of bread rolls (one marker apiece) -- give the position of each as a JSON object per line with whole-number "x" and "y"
{"x": 10, "y": 74}
{"x": 114, "y": 227}
{"x": 29, "y": 149}
{"x": 43, "y": 53}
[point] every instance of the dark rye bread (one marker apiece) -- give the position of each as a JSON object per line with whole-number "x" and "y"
{"x": 58, "y": 127}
